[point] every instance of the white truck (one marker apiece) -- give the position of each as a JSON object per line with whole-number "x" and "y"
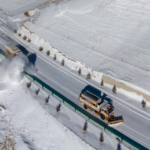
{"x": 12, "y": 49}
{"x": 101, "y": 108}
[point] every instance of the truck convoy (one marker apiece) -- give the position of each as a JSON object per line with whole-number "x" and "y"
{"x": 12, "y": 50}
{"x": 101, "y": 108}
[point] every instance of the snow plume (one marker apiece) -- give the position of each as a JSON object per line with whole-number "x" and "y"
{"x": 1, "y": 59}
{"x": 17, "y": 67}
{"x": 13, "y": 70}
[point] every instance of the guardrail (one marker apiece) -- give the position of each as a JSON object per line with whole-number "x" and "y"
{"x": 86, "y": 114}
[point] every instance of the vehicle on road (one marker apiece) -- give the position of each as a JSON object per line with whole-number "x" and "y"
{"x": 101, "y": 108}
{"x": 12, "y": 49}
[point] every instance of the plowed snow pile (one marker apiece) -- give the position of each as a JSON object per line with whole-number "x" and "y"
{"x": 111, "y": 36}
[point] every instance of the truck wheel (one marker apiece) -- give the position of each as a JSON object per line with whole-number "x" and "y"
{"x": 85, "y": 106}
{"x": 102, "y": 116}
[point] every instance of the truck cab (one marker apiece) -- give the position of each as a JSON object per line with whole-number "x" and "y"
{"x": 12, "y": 49}
{"x": 94, "y": 103}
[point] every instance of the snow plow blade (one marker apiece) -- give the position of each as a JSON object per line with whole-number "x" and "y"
{"x": 113, "y": 120}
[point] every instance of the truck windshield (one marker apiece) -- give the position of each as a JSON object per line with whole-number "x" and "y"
{"x": 90, "y": 95}
{"x": 18, "y": 52}
{"x": 110, "y": 110}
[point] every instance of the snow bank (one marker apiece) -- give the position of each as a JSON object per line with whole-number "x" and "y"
{"x": 73, "y": 64}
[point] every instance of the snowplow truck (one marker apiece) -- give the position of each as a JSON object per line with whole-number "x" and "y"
{"x": 12, "y": 50}
{"x": 101, "y": 108}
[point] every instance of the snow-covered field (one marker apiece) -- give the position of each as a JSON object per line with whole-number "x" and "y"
{"x": 110, "y": 37}
{"x": 30, "y": 124}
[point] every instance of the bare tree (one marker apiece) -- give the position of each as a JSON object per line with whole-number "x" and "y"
{"x": 28, "y": 84}
{"x": 58, "y": 107}
{"x": 37, "y": 91}
{"x": 8, "y": 144}
{"x": 143, "y": 103}
{"x": 101, "y": 137}
{"x": 46, "y": 100}
{"x": 119, "y": 147}
{"x": 102, "y": 83}
{"x": 54, "y": 57}
{"x": 40, "y": 48}
{"x": 48, "y": 53}
{"x": 27, "y": 14}
{"x": 79, "y": 71}
{"x": 63, "y": 62}
{"x": 114, "y": 89}
{"x": 24, "y": 37}
{"x": 29, "y": 40}
{"x": 15, "y": 31}
{"x": 85, "y": 126}
{"x": 88, "y": 76}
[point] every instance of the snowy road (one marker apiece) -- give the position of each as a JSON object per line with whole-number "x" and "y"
{"x": 136, "y": 122}
{"x": 70, "y": 85}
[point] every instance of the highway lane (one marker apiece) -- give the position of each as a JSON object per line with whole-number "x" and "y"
{"x": 70, "y": 85}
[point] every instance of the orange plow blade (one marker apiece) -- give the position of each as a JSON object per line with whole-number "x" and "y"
{"x": 113, "y": 120}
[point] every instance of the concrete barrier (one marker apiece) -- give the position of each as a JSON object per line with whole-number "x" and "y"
{"x": 123, "y": 86}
